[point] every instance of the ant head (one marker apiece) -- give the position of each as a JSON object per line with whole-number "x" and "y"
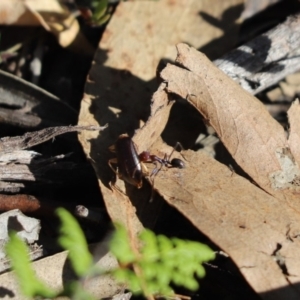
{"x": 144, "y": 156}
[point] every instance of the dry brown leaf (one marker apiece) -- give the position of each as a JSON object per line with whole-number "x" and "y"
{"x": 121, "y": 82}
{"x": 118, "y": 204}
{"x": 255, "y": 140}
{"x": 142, "y": 33}
{"x": 247, "y": 223}
{"x": 257, "y": 230}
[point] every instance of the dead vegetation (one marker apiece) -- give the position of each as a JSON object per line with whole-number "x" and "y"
{"x": 187, "y": 71}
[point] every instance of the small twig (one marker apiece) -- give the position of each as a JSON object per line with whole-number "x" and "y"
{"x": 33, "y": 205}
{"x": 31, "y": 139}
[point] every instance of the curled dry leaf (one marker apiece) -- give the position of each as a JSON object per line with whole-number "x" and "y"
{"x": 241, "y": 121}
{"x": 254, "y": 139}
{"x": 258, "y": 230}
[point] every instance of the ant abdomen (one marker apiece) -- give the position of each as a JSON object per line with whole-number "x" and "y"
{"x": 177, "y": 163}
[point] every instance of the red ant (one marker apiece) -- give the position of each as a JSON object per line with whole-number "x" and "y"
{"x": 146, "y": 157}
{"x": 131, "y": 166}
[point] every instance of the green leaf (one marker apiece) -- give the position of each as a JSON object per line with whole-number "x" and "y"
{"x": 120, "y": 245}
{"x": 200, "y": 271}
{"x": 149, "y": 240}
{"x": 73, "y": 239}
{"x": 161, "y": 261}
{"x": 128, "y": 277}
{"x": 103, "y": 19}
{"x": 100, "y": 9}
{"x": 29, "y": 284}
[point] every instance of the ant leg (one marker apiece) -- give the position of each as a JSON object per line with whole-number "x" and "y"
{"x": 168, "y": 158}
{"x": 113, "y": 161}
{"x": 178, "y": 145}
{"x": 152, "y": 175}
{"x": 156, "y": 169}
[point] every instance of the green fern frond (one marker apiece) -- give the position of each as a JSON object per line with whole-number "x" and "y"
{"x": 29, "y": 284}
{"x": 161, "y": 261}
{"x": 72, "y": 238}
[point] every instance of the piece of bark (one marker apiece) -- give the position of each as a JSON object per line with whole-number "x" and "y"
{"x": 266, "y": 59}
{"x": 37, "y": 206}
{"x": 30, "y": 139}
{"x": 19, "y": 118}
{"x": 19, "y": 156}
{"x": 18, "y": 166}
{"x": 27, "y": 229}
{"x": 30, "y": 107}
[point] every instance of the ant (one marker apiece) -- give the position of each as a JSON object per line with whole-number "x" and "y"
{"x": 131, "y": 166}
{"x": 146, "y": 157}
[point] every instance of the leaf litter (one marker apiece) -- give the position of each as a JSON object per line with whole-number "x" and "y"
{"x": 240, "y": 217}
{"x": 122, "y": 80}
{"x": 253, "y": 222}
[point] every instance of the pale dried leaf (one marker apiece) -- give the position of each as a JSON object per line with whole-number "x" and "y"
{"x": 100, "y": 287}
{"x": 255, "y": 140}
{"x": 28, "y": 229}
{"x": 154, "y": 27}
{"x": 117, "y": 202}
{"x": 259, "y": 232}
{"x": 247, "y": 223}
{"x": 18, "y": 12}
{"x": 294, "y": 134}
